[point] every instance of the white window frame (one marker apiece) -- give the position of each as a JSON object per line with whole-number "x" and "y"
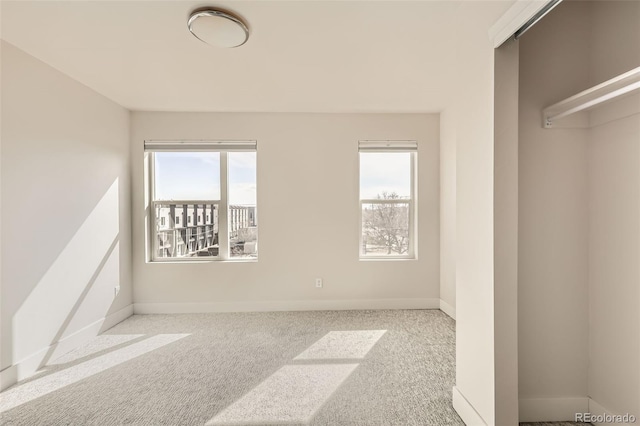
{"x": 221, "y": 147}
{"x": 391, "y": 146}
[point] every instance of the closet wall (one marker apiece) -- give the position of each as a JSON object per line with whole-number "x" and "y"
{"x": 613, "y": 151}
{"x": 579, "y": 217}
{"x": 553, "y": 220}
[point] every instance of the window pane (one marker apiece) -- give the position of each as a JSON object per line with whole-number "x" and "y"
{"x": 385, "y": 175}
{"x": 385, "y": 229}
{"x": 243, "y": 219}
{"x": 186, "y": 230}
{"x": 242, "y": 178}
{"x": 187, "y": 175}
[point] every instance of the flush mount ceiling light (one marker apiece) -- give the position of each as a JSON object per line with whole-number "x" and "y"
{"x": 218, "y": 28}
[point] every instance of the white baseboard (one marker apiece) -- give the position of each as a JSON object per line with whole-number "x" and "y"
{"x": 596, "y": 409}
{"x": 552, "y": 409}
{"x": 448, "y": 309}
{"x": 285, "y": 305}
{"x": 116, "y": 318}
{"x": 29, "y": 365}
{"x": 465, "y": 410}
{"x": 8, "y": 377}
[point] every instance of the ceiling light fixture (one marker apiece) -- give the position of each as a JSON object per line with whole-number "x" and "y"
{"x": 218, "y": 28}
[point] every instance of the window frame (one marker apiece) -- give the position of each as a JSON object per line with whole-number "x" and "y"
{"x": 389, "y": 147}
{"x": 224, "y": 253}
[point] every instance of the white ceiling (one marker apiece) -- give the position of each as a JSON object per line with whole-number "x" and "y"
{"x": 302, "y": 56}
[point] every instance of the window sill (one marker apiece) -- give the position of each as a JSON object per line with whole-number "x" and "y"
{"x": 194, "y": 261}
{"x": 386, "y": 259}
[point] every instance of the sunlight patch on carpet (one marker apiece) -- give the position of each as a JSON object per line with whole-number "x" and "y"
{"x": 21, "y": 394}
{"x": 349, "y": 344}
{"x": 97, "y": 344}
{"x": 293, "y": 394}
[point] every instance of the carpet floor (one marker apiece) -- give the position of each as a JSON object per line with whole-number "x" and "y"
{"x": 393, "y": 367}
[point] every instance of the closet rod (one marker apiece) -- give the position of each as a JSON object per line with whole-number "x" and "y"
{"x": 610, "y": 89}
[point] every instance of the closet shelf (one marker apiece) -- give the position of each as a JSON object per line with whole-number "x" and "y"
{"x": 609, "y": 90}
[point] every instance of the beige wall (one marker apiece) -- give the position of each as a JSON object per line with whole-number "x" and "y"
{"x": 614, "y": 270}
{"x": 614, "y": 39}
{"x": 309, "y": 215}
{"x": 579, "y": 231}
{"x": 448, "y": 212}
{"x": 553, "y": 215}
{"x": 65, "y": 211}
{"x": 614, "y": 215}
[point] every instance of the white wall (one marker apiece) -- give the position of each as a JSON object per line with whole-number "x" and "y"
{"x": 309, "y": 214}
{"x": 614, "y": 215}
{"x": 474, "y": 396}
{"x": 506, "y": 232}
{"x": 448, "y": 213}
{"x": 65, "y": 213}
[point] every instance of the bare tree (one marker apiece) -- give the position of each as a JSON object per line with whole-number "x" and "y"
{"x": 386, "y": 225}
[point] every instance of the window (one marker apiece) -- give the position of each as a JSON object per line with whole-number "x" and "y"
{"x": 387, "y": 199}
{"x": 198, "y": 180}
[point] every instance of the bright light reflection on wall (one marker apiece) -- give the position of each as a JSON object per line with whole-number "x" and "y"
{"x": 343, "y": 345}
{"x": 49, "y": 310}
{"x": 21, "y": 394}
{"x": 292, "y": 394}
{"x": 97, "y": 344}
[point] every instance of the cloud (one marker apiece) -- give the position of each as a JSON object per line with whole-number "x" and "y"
{"x": 242, "y": 193}
{"x": 242, "y": 160}
{"x": 385, "y": 172}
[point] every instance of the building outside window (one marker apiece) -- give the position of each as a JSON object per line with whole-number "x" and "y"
{"x": 213, "y": 186}
{"x": 387, "y": 199}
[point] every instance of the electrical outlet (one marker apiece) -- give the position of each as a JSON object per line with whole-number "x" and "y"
{"x": 116, "y": 290}
{"x": 318, "y": 282}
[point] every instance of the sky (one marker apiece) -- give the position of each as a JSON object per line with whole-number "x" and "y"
{"x": 196, "y": 175}
{"x": 385, "y": 172}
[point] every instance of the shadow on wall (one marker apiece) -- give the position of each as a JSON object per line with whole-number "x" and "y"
{"x": 75, "y": 292}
